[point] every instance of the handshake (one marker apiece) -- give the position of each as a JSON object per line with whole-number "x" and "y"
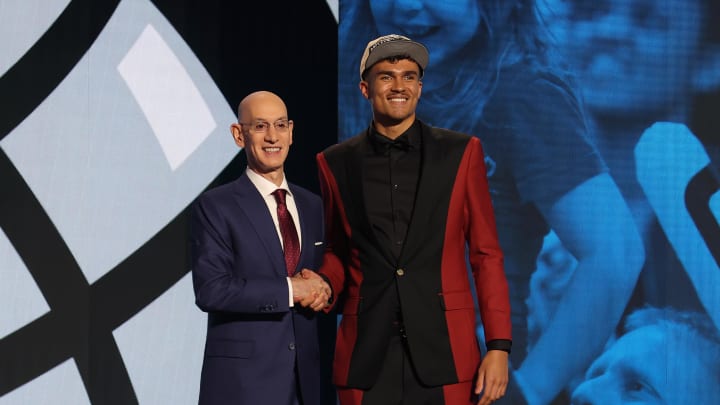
{"x": 310, "y": 290}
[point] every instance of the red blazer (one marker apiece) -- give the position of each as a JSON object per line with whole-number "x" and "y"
{"x": 452, "y": 211}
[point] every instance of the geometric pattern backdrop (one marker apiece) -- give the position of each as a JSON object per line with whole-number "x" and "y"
{"x": 115, "y": 117}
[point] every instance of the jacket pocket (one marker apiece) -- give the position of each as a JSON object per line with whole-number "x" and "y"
{"x": 453, "y": 300}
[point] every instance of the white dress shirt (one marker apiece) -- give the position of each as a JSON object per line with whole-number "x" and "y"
{"x": 266, "y": 187}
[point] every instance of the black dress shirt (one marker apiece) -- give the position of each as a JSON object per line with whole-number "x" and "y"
{"x": 392, "y": 171}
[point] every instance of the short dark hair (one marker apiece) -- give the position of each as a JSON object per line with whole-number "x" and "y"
{"x": 394, "y": 59}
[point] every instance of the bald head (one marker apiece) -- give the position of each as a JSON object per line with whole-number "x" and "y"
{"x": 253, "y": 105}
{"x": 264, "y": 131}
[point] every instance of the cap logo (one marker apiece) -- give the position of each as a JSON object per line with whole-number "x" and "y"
{"x": 385, "y": 39}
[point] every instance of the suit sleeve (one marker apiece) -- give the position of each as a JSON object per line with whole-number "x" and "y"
{"x": 486, "y": 257}
{"x": 223, "y": 283}
{"x": 336, "y": 231}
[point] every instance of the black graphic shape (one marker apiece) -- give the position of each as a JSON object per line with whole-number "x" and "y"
{"x": 82, "y": 317}
{"x": 27, "y": 83}
{"x": 697, "y": 200}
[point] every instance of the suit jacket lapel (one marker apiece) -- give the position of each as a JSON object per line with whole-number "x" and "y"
{"x": 434, "y": 177}
{"x": 253, "y": 205}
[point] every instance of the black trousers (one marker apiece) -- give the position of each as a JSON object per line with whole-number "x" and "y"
{"x": 398, "y": 384}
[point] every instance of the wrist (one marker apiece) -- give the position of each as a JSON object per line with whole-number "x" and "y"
{"x": 331, "y": 297}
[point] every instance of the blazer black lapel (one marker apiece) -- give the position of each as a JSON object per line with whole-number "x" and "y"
{"x": 438, "y": 170}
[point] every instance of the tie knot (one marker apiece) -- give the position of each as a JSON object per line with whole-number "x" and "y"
{"x": 280, "y": 196}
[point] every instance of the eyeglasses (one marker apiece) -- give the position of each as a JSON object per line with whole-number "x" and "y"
{"x": 282, "y": 125}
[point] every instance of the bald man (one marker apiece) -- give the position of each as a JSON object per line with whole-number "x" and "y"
{"x": 254, "y": 244}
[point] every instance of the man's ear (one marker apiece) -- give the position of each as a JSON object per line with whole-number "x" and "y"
{"x": 706, "y": 77}
{"x": 364, "y": 88}
{"x": 291, "y": 123}
{"x": 236, "y": 131}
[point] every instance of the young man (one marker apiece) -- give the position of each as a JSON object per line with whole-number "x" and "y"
{"x": 402, "y": 201}
{"x": 250, "y": 240}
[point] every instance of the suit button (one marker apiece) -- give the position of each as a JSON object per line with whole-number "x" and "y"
{"x": 400, "y": 272}
{"x": 291, "y": 346}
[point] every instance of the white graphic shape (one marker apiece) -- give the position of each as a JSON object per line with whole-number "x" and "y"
{"x": 111, "y": 162}
{"x": 334, "y": 6}
{"x": 163, "y": 345}
{"x": 167, "y": 96}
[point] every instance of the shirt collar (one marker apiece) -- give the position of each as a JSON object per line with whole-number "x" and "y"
{"x": 265, "y": 186}
{"x": 408, "y": 140}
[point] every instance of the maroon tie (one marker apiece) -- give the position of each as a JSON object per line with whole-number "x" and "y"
{"x": 291, "y": 245}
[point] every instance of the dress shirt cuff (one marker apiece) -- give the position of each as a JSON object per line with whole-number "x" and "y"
{"x": 290, "y": 292}
{"x": 499, "y": 344}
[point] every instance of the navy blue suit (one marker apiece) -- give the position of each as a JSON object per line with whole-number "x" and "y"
{"x": 255, "y": 341}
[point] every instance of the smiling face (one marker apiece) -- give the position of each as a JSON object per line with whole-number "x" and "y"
{"x": 393, "y": 89}
{"x": 657, "y": 364}
{"x": 444, "y": 27}
{"x": 265, "y": 133}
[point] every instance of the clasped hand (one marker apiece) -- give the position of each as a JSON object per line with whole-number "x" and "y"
{"x": 310, "y": 290}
